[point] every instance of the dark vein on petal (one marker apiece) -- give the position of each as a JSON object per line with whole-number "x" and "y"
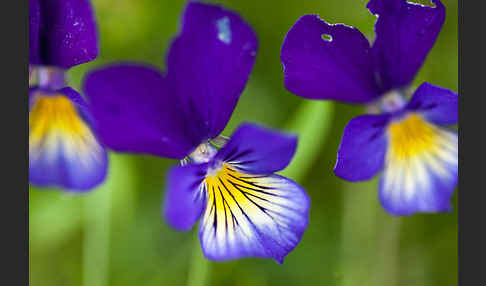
{"x": 231, "y": 154}
{"x": 215, "y": 224}
{"x": 251, "y": 183}
{"x": 239, "y": 155}
{"x": 224, "y": 207}
{"x": 226, "y": 188}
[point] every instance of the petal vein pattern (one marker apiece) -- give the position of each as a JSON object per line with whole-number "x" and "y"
{"x": 251, "y": 215}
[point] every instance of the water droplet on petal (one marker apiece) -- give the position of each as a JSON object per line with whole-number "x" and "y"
{"x": 224, "y": 30}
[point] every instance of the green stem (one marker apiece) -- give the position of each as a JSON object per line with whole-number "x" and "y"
{"x": 387, "y": 255}
{"x": 65, "y": 210}
{"x": 199, "y": 270}
{"x": 369, "y": 238}
{"x": 96, "y": 243}
{"x": 312, "y": 123}
{"x": 358, "y": 234}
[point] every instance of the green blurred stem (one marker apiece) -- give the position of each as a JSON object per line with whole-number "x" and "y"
{"x": 96, "y": 242}
{"x": 369, "y": 238}
{"x": 65, "y": 210}
{"x": 311, "y": 123}
{"x": 358, "y": 234}
{"x": 387, "y": 256}
{"x": 199, "y": 270}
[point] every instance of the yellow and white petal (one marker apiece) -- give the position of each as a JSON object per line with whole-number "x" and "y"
{"x": 251, "y": 215}
{"x": 63, "y": 151}
{"x": 420, "y": 167}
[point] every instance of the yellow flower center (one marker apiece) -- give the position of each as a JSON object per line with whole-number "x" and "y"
{"x": 54, "y": 112}
{"x": 411, "y": 136}
{"x": 54, "y": 121}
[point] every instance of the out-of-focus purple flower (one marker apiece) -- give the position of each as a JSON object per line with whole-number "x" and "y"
{"x": 409, "y": 142}
{"x": 62, "y": 33}
{"x": 246, "y": 210}
{"x": 417, "y": 154}
{"x": 63, "y": 148}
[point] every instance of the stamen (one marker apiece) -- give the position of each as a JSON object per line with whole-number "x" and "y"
{"x": 51, "y": 77}
{"x": 214, "y": 169}
{"x": 203, "y": 153}
{"x": 391, "y": 101}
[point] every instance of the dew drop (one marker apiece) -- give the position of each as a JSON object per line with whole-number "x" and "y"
{"x": 224, "y": 30}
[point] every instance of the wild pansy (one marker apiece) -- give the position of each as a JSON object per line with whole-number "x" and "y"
{"x": 408, "y": 141}
{"x": 63, "y": 149}
{"x": 245, "y": 209}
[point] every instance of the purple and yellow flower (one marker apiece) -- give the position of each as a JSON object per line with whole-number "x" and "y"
{"x": 63, "y": 148}
{"x": 245, "y": 210}
{"x": 408, "y": 142}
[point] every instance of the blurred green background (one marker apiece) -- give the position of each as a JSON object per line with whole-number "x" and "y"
{"x": 115, "y": 235}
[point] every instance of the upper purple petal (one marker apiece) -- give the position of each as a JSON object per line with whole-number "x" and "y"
{"x": 405, "y": 32}
{"x": 437, "y": 104}
{"x": 363, "y": 147}
{"x": 257, "y": 150}
{"x": 185, "y": 195}
{"x": 67, "y": 34}
{"x": 34, "y": 26}
{"x": 136, "y": 112}
{"x": 339, "y": 67}
{"x": 209, "y": 64}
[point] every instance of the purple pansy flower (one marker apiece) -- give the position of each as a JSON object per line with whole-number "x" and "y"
{"x": 63, "y": 148}
{"x": 408, "y": 141}
{"x": 245, "y": 210}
